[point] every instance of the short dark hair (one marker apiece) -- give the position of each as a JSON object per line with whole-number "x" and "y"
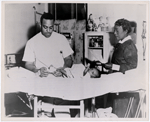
{"x": 46, "y": 16}
{"x": 133, "y": 24}
{"x": 125, "y": 25}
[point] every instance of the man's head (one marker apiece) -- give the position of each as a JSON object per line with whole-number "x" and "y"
{"x": 47, "y": 24}
{"x": 122, "y": 29}
{"x": 94, "y": 73}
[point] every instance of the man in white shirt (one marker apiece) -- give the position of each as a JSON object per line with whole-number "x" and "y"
{"x": 47, "y": 48}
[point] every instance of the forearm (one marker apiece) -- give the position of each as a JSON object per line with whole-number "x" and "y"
{"x": 68, "y": 62}
{"x": 31, "y": 67}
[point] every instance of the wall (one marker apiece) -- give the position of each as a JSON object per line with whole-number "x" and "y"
{"x": 132, "y": 12}
{"x": 117, "y": 11}
{"x": 19, "y": 25}
{"x": 20, "y": 21}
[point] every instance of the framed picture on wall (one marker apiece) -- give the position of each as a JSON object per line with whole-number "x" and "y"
{"x": 12, "y": 60}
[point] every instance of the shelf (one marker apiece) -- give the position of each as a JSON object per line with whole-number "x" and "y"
{"x": 95, "y": 47}
{"x": 99, "y": 47}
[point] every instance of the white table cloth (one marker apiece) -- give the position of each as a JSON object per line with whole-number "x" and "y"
{"x": 19, "y": 79}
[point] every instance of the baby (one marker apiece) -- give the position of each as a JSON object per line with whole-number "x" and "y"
{"x": 94, "y": 73}
{"x": 79, "y": 71}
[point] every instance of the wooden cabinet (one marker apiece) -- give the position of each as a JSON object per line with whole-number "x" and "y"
{"x": 97, "y": 46}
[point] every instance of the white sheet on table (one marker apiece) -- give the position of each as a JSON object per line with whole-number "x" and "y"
{"x": 75, "y": 88}
{"x": 19, "y": 72}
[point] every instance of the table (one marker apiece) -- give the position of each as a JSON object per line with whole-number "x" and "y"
{"x": 73, "y": 88}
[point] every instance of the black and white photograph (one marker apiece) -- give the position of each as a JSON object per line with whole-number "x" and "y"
{"x": 75, "y": 60}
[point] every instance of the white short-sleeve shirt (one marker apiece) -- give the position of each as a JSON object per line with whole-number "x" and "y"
{"x": 47, "y": 51}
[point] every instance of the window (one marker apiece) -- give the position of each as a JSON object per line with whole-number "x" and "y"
{"x": 62, "y": 11}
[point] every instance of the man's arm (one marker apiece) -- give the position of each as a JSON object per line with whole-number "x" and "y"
{"x": 68, "y": 62}
{"x": 31, "y": 66}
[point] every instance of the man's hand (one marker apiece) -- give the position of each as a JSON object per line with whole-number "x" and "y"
{"x": 60, "y": 72}
{"x": 43, "y": 72}
{"x": 57, "y": 74}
